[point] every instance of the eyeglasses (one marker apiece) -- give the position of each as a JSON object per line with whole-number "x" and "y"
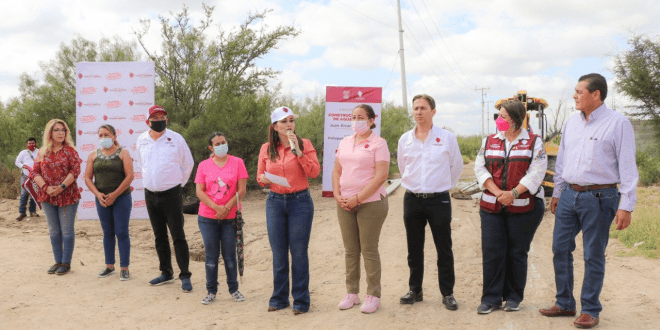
{"x": 60, "y": 130}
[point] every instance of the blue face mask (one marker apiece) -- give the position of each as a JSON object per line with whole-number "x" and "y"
{"x": 106, "y": 143}
{"x": 221, "y": 150}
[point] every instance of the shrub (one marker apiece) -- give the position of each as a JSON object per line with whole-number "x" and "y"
{"x": 648, "y": 164}
{"x": 10, "y": 182}
{"x": 469, "y": 145}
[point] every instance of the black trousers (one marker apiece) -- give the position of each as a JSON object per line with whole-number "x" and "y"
{"x": 164, "y": 208}
{"x": 436, "y": 211}
{"x": 505, "y": 242}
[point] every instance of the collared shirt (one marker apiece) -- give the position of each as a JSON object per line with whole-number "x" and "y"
{"x": 434, "y": 165}
{"x": 535, "y": 173}
{"x": 166, "y": 162}
{"x": 598, "y": 151}
{"x": 26, "y": 157}
{"x": 295, "y": 169}
{"x": 358, "y": 164}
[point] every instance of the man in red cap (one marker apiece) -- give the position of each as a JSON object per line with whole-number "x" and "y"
{"x": 166, "y": 164}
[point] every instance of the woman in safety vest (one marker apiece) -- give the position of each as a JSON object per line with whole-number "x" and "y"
{"x": 510, "y": 166}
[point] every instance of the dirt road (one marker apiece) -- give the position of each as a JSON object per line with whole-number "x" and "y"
{"x": 31, "y": 299}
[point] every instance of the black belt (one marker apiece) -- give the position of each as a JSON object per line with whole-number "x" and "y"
{"x": 428, "y": 195}
{"x": 164, "y": 192}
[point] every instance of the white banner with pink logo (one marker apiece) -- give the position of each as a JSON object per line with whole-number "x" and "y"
{"x": 339, "y": 105}
{"x": 119, "y": 94}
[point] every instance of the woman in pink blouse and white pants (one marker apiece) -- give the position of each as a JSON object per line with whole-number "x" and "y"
{"x": 361, "y": 167}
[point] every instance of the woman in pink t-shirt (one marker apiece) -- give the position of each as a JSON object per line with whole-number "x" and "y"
{"x": 218, "y": 180}
{"x": 361, "y": 167}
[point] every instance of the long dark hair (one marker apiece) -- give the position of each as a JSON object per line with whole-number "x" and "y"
{"x": 274, "y": 143}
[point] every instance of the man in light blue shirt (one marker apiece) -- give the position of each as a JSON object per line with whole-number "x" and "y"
{"x": 596, "y": 153}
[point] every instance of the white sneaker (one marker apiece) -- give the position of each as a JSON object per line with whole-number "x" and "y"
{"x": 208, "y": 299}
{"x": 238, "y": 297}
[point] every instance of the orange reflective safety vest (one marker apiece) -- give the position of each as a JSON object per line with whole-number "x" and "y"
{"x": 507, "y": 169}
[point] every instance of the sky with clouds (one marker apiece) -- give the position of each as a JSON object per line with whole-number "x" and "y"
{"x": 451, "y": 47}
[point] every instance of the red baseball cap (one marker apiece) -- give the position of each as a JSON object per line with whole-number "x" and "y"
{"x": 156, "y": 109}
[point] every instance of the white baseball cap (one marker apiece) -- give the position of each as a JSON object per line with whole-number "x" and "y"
{"x": 281, "y": 113}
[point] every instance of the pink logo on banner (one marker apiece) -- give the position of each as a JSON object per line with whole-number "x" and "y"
{"x": 130, "y": 103}
{"x": 139, "y": 118}
{"x": 80, "y": 76}
{"x": 139, "y": 204}
{"x": 105, "y": 89}
{"x": 139, "y": 90}
{"x": 88, "y": 147}
{"x": 113, "y": 76}
{"x": 80, "y": 104}
{"x": 80, "y": 132}
{"x": 137, "y": 175}
{"x": 80, "y": 189}
{"x": 113, "y": 104}
{"x": 88, "y": 205}
{"x": 354, "y": 94}
{"x": 130, "y": 131}
{"x": 118, "y": 131}
{"x": 131, "y": 75}
{"x": 87, "y": 119}
{"x": 88, "y": 90}
{"x": 105, "y": 117}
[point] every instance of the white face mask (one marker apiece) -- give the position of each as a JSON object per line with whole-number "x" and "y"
{"x": 221, "y": 150}
{"x": 106, "y": 143}
{"x": 360, "y": 126}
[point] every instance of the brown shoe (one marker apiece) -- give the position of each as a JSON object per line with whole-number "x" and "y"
{"x": 21, "y": 217}
{"x": 585, "y": 321}
{"x": 556, "y": 311}
{"x": 34, "y": 215}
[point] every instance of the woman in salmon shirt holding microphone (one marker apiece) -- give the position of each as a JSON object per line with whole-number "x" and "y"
{"x": 289, "y": 210}
{"x": 361, "y": 167}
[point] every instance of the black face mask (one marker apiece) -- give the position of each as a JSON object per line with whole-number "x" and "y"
{"x": 159, "y": 125}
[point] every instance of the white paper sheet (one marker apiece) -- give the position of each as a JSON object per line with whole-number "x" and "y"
{"x": 277, "y": 179}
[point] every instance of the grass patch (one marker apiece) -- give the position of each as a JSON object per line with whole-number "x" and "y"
{"x": 645, "y": 225}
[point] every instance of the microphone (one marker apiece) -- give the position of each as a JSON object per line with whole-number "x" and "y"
{"x": 293, "y": 146}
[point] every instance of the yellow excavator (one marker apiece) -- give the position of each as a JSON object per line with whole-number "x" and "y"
{"x": 535, "y": 107}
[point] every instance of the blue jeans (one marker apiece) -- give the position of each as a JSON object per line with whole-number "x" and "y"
{"x": 505, "y": 242}
{"x": 61, "y": 220}
{"x": 593, "y": 215}
{"x": 25, "y": 196}
{"x": 114, "y": 221}
{"x": 219, "y": 235}
{"x": 289, "y": 221}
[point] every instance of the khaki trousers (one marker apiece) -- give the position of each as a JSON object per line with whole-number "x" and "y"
{"x": 360, "y": 230}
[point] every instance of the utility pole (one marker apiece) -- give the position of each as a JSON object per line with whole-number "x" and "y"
{"x": 482, "y": 107}
{"x": 403, "y": 62}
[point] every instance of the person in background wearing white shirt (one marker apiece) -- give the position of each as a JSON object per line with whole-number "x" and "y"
{"x": 430, "y": 163}
{"x": 597, "y": 152}
{"x": 24, "y": 160}
{"x": 510, "y": 166}
{"x": 166, "y": 164}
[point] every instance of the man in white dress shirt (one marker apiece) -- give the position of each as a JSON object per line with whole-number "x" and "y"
{"x": 24, "y": 160}
{"x": 430, "y": 164}
{"x": 166, "y": 164}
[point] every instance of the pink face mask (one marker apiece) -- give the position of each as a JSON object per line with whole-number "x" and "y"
{"x": 502, "y": 125}
{"x": 360, "y": 126}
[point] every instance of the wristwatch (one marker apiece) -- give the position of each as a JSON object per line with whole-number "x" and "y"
{"x": 62, "y": 185}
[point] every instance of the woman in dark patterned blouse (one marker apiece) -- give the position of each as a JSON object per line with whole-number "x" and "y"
{"x": 56, "y": 169}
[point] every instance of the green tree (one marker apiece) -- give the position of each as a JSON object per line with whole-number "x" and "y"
{"x": 638, "y": 74}
{"x": 194, "y": 69}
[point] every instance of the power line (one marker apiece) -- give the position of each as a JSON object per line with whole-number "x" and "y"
{"x": 365, "y": 15}
{"x": 393, "y": 66}
{"x": 436, "y": 45}
{"x": 443, "y": 41}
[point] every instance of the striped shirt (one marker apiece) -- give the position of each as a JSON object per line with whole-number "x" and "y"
{"x": 598, "y": 151}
